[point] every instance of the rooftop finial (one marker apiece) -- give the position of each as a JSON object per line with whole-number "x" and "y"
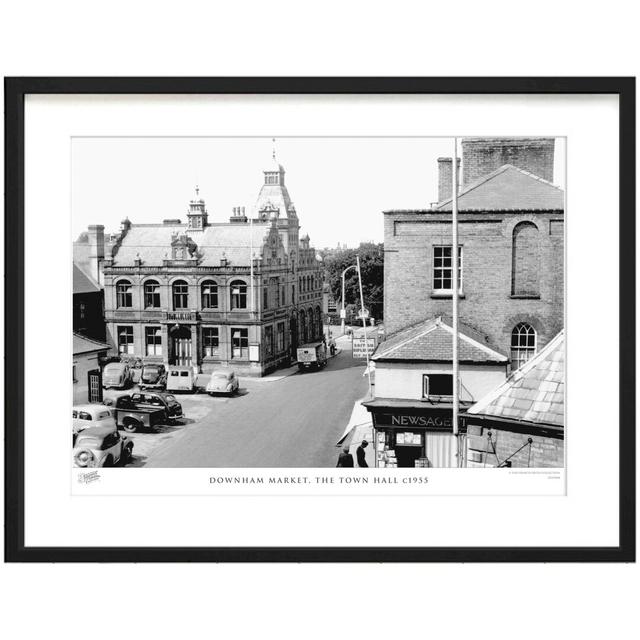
{"x": 197, "y": 191}
{"x": 273, "y": 155}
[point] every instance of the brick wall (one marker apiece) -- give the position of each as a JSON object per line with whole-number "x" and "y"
{"x": 481, "y": 156}
{"x": 488, "y": 304}
{"x": 543, "y": 451}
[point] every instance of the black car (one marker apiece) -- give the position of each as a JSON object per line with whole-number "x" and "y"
{"x": 155, "y": 400}
{"x": 154, "y": 376}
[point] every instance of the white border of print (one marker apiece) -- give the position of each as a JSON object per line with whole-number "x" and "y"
{"x": 54, "y": 517}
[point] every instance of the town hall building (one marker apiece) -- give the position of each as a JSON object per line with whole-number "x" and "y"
{"x": 242, "y": 293}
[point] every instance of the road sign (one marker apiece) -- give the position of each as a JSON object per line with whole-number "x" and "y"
{"x": 360, "y": 346}
{"x": 364, "y": 314}
{"x": 343, "y": 313}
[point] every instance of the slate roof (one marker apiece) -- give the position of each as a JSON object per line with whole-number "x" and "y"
{"x": 82, "y": 282}
{"x": 432, "y": 341}
{"x": 153, "y": 243}
{"x": 534, "y": 393}
{"x": 82, "y": 344}
{"x": 508, "y": 189}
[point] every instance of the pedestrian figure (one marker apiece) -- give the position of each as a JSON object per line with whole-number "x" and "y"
{"x": 345, "y": 459}
{"x": 360, "y": 454}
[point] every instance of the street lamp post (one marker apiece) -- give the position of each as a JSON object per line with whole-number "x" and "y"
{"x": 353, "y": 266}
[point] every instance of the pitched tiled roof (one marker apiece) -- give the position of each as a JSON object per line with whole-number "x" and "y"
{"x": 432, "y": 341}
{"x": 82, "y": 344}
{"x": 153, "y": 243}
{"x": 82, "y": 282}
{"x": 508, "y": 189}
{"x": 534, "y": 393}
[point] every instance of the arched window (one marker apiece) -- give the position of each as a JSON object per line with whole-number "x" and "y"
{"x": 180, "y": 295}
{"x": 319, "y": 327}
{"x": 151, "y": 294}
{"x": 238, "y": 294}
{"x": 525, "y": 260}
{"x": 302, "y": 327}
{"x": 124, "y": 294}
{"x": 523, "y": 344}
{"x": 209, "y": 297}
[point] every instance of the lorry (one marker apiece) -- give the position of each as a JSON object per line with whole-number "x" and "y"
{"x": 312, "y": 356}
{"x": 132, "y": 417}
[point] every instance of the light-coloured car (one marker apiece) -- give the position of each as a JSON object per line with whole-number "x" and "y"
{"x": 116, "y": 375}
{"x": 180, "y": 379}
{"x": 101, "y": 447}
{"x": 223, "y": 381}
{"x": 91, "y": 415}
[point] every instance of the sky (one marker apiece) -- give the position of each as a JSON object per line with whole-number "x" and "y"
{"x": 340, "y": 186}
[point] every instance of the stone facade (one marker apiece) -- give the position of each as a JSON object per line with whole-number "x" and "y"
{"x": 243, "y": 293}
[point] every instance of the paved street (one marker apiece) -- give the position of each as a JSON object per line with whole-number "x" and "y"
{"x": 291, "y": 422}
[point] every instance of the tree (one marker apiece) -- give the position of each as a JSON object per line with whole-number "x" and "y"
{"x": 372, "y": 268}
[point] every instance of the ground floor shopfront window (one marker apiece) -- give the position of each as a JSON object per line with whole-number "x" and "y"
{"x": 411, "y": 433}
{"x": 240, "y": 343}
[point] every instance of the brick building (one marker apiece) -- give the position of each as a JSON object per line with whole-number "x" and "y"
{"x": 511, "y": 249}
{"x": 242, "y": 293}
{"x": 521, "y": 422}
{"x": 510, "y": 262}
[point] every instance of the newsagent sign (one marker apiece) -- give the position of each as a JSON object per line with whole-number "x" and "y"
{"x": 360, "y": 347}
{"x": 433, "y": 420}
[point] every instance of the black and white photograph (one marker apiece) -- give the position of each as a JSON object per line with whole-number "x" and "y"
{"x": 288, "y": 302}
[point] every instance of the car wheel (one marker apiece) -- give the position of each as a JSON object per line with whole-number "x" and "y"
{"x": 127, "y": 454}
{"x": 130, "y": 426}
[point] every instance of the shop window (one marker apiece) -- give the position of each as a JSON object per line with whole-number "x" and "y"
{"x": 180, "y": 295}
{"x": 153, "y": 341}
{"x": 523, "y": 344}
{"x": 210, "y": 341}
{"x": 238, "y": 294}
{"x": 151, "y": 294}
{"x": 209, "y": 290}
{"x": 239, "y": 343}
{"x": 437, "y": 385}
{"x": 125, "y": 340}
{"x": 443, "y": 269}
{"x": 124, "y": 294}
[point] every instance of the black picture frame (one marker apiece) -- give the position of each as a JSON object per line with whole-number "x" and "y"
{"x": 15, "y": 91}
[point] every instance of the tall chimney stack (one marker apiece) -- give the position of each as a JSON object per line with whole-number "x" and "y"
{"x": 445, "y": 178}
{"x": 481, "y": 156}
{"x": 96, "y": 251}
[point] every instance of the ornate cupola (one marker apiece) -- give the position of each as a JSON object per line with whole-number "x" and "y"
{"x": 197, "y": 214}
{"x": 274, "y": 172}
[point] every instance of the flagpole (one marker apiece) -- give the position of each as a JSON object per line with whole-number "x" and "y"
{"x": 364, "y": 324}
{"x": 251, "y": 263}
{"x": 454, "y": 263}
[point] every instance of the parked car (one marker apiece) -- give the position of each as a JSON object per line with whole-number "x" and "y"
{"x": 91, "y": 415}
{"x": 101, "y": 447}
{"x": 155, "y": 400}
{"x": 116, "y": 375}
{"x": 180, "y": 379}
{"x": 223, "y": 381}
{"x": 312, "y": 356}
{"x": 153, "y": 376}
{"x": 132, "y": 417}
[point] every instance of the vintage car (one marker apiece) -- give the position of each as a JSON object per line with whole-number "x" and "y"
{"x": 153, "y": 376}
{"x": 101, "y": 447}
{"x": 91, "y": 415}
{"x": 222, "y": 381}
{"x": 180, "y": 379}
{"x": 116, "y": 375}
{"x": 157, "y": 400}
{"x": 132, "y": 416}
